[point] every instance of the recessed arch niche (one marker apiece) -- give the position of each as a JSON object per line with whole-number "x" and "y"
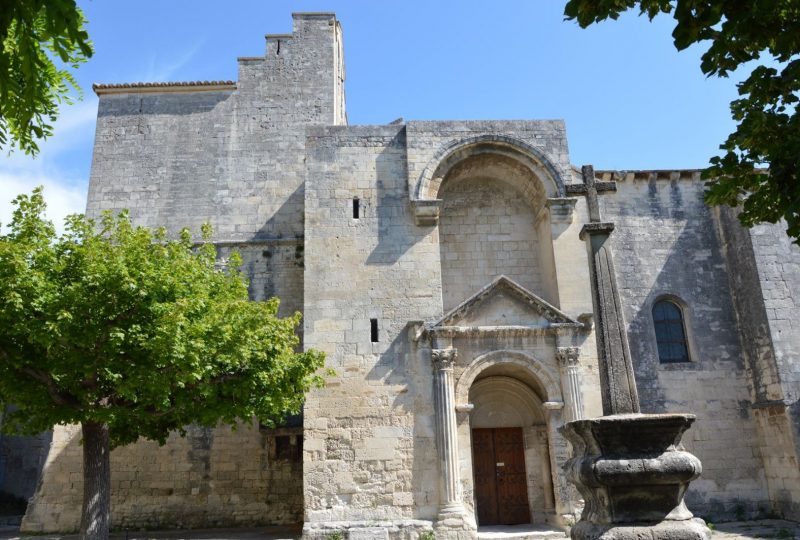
{"x": 493, "y": 221}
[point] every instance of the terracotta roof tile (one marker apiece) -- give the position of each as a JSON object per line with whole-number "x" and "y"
{"x": 162, "y": 86}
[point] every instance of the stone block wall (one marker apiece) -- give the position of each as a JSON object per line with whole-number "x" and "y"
{"x": 233, "y": 157}
{"x": 369, "y": 449}
{"x": 210, "y": 478}
{"x": 177, "y": 157}
{"x": 778, "y": 264}
{"x": 486, "y": 229}
{"x": 370, "y": 453}
{"x": 21, "y": 462}
{"x": 764, "y": 277}
{"x": 427, "y": 141}
{"x": 665, "y": 245}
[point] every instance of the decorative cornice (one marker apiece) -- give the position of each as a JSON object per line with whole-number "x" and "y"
{"x": 443, "y": 358}
{"x": 151, "y": 87}
{"x": 596, "y": 228}
{"x": 553, "y": 405}
{"x": 565, "y": 202}
{"x": 567, "y": 356}
{"x": 541, "y": 306}
{"x": 502, "y": 331}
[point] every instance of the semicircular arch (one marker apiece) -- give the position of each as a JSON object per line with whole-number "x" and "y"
{"x": 507, "y": 398}
{"x": 540, "y": 373}
{"x": 446, "y": 158}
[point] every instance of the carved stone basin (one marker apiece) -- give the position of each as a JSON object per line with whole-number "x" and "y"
{"x": 633, "y": 472}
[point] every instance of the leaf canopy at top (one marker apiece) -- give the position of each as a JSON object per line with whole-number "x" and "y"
{"x": 117, "y": 324}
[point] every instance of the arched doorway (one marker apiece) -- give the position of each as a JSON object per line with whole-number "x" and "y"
{"x": 510, "y": 458}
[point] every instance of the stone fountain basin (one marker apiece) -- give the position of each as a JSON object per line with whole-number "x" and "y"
{"x": 631, "y": 468}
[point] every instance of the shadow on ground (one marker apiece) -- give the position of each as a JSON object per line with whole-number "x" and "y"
{"x": 761, "y": 529}
{"x": 265, "y": 533}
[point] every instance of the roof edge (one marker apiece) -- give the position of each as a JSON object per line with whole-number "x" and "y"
{"x": 164, "y": 87}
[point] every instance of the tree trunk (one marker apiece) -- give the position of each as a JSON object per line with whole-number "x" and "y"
{"x": 96, "y": 512}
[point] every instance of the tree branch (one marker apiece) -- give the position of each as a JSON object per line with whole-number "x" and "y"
{"x": 56, "y": 394}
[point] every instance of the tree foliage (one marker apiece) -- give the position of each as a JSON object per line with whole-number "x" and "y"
{"x": 766, "y": 32}
{"x": 117, "y": 325}
{"x": 42, "y": 41}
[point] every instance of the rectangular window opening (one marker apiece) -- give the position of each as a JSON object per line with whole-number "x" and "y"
{"x": 373, "y": 330}
{"x": 356, "y": 208}
{"x": 289, "y": 447}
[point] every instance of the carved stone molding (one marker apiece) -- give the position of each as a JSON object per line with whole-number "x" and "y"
{"x": 561, "y": 208}
{"x": 426, "y": 212}
{"x": 596, "y": 228}
{"x": 567, "y": 356}
{"x": 443, "y": 358}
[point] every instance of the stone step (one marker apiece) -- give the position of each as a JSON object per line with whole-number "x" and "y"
{"x": 520, "y": 532}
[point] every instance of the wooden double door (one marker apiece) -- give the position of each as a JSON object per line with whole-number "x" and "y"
{"x": 501, "y": 489}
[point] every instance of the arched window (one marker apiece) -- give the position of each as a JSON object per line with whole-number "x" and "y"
{"x": 670, "y": 332}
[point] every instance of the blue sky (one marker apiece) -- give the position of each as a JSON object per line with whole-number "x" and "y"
{"x": 630, "y": 101}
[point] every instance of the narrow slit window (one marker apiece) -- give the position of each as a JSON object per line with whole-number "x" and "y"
{"x": 670, "y": 332}
{"x": 356, "y": 208}
{"x": 373, "y": 330}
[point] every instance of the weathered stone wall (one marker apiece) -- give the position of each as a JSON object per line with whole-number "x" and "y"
{"x": 210, "y": 478}
{"x": 764, "y": 277}
{"x": 21, "y": 462}
{"x": 180, "y": 157}
{"x": 369, "y": 447}
{"x": 233, "y": 158}
{"x": 665, "y": 244}
{"x": 486, "y": 229}
{"x": 427, "y": 142}
{"x": 370, "y": 452}
{"x": 778, "y": 263}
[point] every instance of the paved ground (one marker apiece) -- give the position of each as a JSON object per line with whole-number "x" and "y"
{"x": 263, "y": 533}
{"x": 774, "y": 529}
{"x": 762, "y": 529}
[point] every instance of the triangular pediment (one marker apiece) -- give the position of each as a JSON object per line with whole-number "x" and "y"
{"x": 504, "y": 302}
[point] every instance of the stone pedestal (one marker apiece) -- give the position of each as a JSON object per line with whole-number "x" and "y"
{"x": 633, "y": 472}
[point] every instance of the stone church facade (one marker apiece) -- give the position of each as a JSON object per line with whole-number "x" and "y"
{"x": 440, "y": 267}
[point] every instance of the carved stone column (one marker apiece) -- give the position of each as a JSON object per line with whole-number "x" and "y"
{"x": 446, "y": 430}
{"x": 571, "y": 381}
{"x": 547, "y": 472}
{"x": 617, "y": 382}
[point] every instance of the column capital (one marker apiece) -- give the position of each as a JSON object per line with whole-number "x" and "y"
{"x": 567, "y": 356}
{"x": 443, "y": 358}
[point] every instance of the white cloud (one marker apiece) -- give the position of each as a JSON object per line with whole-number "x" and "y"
{"x": 62, "y": 197}
{"x": 62, "y": 166}
{"x": 161, "y": 69}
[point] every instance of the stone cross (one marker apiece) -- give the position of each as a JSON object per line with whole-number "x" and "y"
{"x": 617, "y": 382}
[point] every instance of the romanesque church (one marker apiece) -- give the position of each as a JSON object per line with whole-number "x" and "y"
{"x": 440, "y": 267}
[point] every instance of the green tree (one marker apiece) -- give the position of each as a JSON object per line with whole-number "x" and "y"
{"x": 766, "y": 32}
{"x": 130, "y": 334}
{"x": 43, "y": 40}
